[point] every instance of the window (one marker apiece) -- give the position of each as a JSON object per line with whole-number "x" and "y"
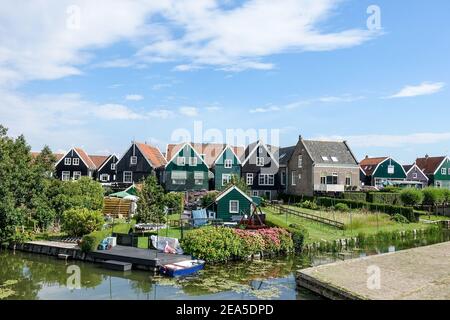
{"x": 283, "y": 178}
{"x": 192, "y": 161}
{"x": 133, "y": 160}
{"x": 179, "y": 177}
{"x": 127, "y": 177}
{"x": 299, "y": 176}
{"x": 444, "y": 171}
{"x": 199, "y": 176}
{"x": 113, "y": 166}
{"x": 249, "y": 179}
{"x": 65, "y": 176}
{"x": 391, "y": 169}
{"x": 333, "y": 179}
{"x": 259, "y": 161}
{"x": 323, "y": 179}
{"x": 260, "y": 150}
{"x": 414, "y": 175}
{"x": 181, "y": 161}
{"x": 348, "y": 180}
{"x": 228, "y": 163}
{"x": 324, "y": 158}
{"x": 76, "y": 175}
{"x": 255, "y": 193}
{"x": 300, "y": 161}
{"x": 234, "y": 206}
{"x": 266, "y": 179}
{"x": 68, "y": 161}
{"x": 334, "y": 159}
{"x": 293, "y": 178}
{"x": 104, "y": 177}
{"x": 226, "y": 178}
{"x": 76, "y": 162}
{"x": 438, "y": 184}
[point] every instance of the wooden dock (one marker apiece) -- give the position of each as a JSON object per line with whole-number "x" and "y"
{"x": 414, "y": 274}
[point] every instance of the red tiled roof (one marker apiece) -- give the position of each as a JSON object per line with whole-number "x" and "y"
{"x": 152, "y": 154}
{"x": 210, "y": 150}
{"x": 429, "y": 165}
{"x": 368, "y": 165}
{"x": 86, "y": 159}
{"x": 57, "y": 156}
{"x": 98, "y": 160}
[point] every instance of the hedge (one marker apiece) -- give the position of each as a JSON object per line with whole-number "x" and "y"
{"x": 385, "y": 198}
{"x": 91, "y": 241}
{"x": 355, "y": 196}
{"x": 407, "y": 212}
{"x": 290, "y": 198}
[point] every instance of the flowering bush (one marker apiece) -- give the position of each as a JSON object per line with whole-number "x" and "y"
{"x": 216, "y": 244}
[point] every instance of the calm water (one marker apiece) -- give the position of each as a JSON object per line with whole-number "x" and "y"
{"x": 31, "y": 276}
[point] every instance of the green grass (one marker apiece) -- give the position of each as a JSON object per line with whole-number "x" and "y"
{"x": 434, "y": 217}
{"x": 319, "y": 231}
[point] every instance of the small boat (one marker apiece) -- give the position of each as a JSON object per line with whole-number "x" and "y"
{"x": 182, "y": 268}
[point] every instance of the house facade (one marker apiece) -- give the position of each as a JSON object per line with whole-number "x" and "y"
{"x": 437, "y": 169}
{"x": 138, "y": 162}
{"x": 186, "y": 170}
{"x": 226, "y": 166}
{"x": 233, "y": 202}
{"x": 106, "y": 171}
{"x": 321, "y": 167}
{"x": 75, "y": 164}
{"x": 414, "y": 173}
{"x": 260, "y": 170}
{"x": 381, "y": 172}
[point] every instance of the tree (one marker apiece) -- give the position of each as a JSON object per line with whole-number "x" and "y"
{"x": 433, "y": 196}
{"x": 82, "y": 221}
{"x": 238, "y": 182}
{"x": 411, "y": 197}
{"x": 150, "y": 206}
{"x": 174, "y": 201}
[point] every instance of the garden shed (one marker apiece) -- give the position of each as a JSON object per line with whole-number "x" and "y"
{"x": 233, "y": 202}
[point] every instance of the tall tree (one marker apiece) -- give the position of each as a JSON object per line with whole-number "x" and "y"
{"x": 150, "y": 206}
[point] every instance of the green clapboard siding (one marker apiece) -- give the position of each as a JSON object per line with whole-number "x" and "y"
{"x": 186, "y": 152}
{"x": 382, "y": 171}
{"x": 443, "y": 177}
{"x": 223, "y": 205}
{"x": 220, "y": 168}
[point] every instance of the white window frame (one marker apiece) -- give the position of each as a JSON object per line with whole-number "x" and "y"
{"x": 181, "y": 161}
{"x": 227, "y": 177}
{"x": 293, "y": 178}
{"x": 350, "y": 179}
{"x": 255, "y": 193}
{"x": 414, "y": 175}
{"x": 266, "y": 177}
{"x": 178, "y": 181}
{"x": 75, "y": 161}
{"x": 76, "y": 175}
{"x": 283, "y": 181}
{"x": 391, "y": 169}
{"x": 299, "y": 176}
{"x": 104, "y": 175}
{"x": 133, "y": 160}
{"x": 193, "y": 161}
{"x": 444, "y": 171}
{"x": 260, "y": 161}
{"x": 236, "y": 202}
{"x": 300, "y": 161}
{"x": 334, "y": 159}
{"x": 68, "y": 161}
{"x": 323, "y": 177}
{"x": 65, "y": 174}
{"x": 228, "y": 163}
{"x": 325, "y": 158}
{"x": 249, "y": 179}
{"x": 113, "y": 166}
{"x": 125, "y": 173}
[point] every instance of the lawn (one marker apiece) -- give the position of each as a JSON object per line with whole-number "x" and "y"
{"x": 361, "y": 223}
{"x": 434, "y": 217}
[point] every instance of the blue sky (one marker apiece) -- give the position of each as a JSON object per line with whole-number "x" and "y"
{"x": 100, "y": 75}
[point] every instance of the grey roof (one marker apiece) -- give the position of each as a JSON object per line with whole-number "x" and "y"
{"x": 285, "y": 155}
{"x": 330, "y": 149}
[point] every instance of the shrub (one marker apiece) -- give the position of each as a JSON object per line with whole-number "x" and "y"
{"x": 399, "y": 218}
{"x": 91, "y": 241}
{"x": 355, "y": 196}
{"x": 433, "y": 196}
{"x": 384, "y": 198}
{"x": 79, "y": 222}
{"x": 209, "y": 198}
{"x": 308, "y": 205}
{"x": 342, "y": 207}
{"x": 411, "y": 197}
{"x": 299, "y": 235}
{"x": 175, "y": 201}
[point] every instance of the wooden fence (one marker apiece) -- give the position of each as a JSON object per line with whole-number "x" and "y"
{"x": 116, "y": 207}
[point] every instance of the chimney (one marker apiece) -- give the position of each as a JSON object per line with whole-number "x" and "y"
{"x": 427, "y": 156}
{"x": 299, "y": 137}
{"x": 367, "y": 156}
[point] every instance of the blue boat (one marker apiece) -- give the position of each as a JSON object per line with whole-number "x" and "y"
{"x": 182, "y": 268}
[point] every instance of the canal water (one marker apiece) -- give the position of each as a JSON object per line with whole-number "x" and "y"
{"x": 32, "y": 276}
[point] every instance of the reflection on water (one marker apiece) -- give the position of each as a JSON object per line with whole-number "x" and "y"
{"x": 31, "y": 276}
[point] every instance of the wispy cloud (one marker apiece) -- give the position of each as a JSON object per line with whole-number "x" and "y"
{"x": 134, "y": 97}
{"x": 265, "y": 110}
{"x": 213, "y": 108}
{"x": 116, "y": 112}
{"x": 188, "y": 111}
{"x": 160, "y": 113}
{"x": 425, "y": 88}
{"x": 390, "y": 141}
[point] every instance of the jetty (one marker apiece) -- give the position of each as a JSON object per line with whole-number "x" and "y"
{"x": 118, "y": 257}
{"x": 415, "y": 274}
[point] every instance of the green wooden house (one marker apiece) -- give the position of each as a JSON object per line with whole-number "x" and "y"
{"x": 233, "y": 202}
{"x": 225, "y": 166}
{"x": 380, "y": 172}
{"x": 437, "y": 169}
{"x": 186, "y": 170}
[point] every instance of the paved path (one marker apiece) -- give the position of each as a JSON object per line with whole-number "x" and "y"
{"x": 415, "y": 274}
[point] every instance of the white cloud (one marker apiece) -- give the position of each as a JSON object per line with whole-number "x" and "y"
{"x": 425, "y": 88}
{"x": 391, "y": 141}
{"x": 161, "y": 113}
{"x": 134, "y": 97}
{"x": 46, "y": 41}
{"x": 188, "y": 111}
{"x": 213, "y": 108}
{"x": 265, "y": 110}
{"x": 160, "y": 86}
{"x": 116, "y": 112}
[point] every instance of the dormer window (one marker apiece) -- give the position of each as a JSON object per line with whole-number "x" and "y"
{"x": 76, "y": 161}
{"x": 334, "y": 159}
{"x": 133, "y": 160}
{"x": 228, "y": 163}
{"x": 181, "y": 161}
{"x": 260, "y": 161}
{"x": 193, "y": 161}
{"x": 324, "y": 158}
{"x": 113, "y": 166}
{"x": 68, "y": 161}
